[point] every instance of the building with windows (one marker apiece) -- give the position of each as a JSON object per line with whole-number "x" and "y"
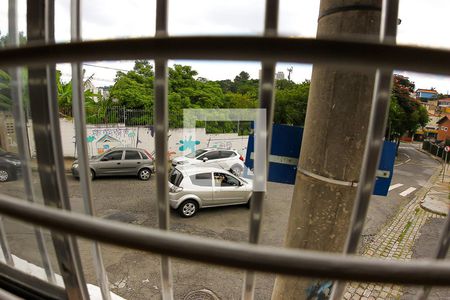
{"x": 279, "y": 75}
{"x": 426, "y": 95}
{"x": 443, "y": 129}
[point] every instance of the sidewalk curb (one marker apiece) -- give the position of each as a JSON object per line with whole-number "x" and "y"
{"x": 432, "y": 210}
{"x": 429, "y": 154}
{"x": 67, "y": 171}
{"x": 424, "y": 191}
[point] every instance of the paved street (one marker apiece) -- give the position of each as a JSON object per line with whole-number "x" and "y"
{"x": 135, "y": 275}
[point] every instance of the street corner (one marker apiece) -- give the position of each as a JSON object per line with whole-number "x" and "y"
{"x": 436, "y": 202}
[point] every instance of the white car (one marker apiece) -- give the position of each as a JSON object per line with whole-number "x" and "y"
{"x": 192, "y": 188}
{"x": 229, "y": 160}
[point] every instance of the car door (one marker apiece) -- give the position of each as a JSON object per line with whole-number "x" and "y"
{"x": 131, "y": 163}
{"x": 202, "y": 187}
{"x": 110, "y": 163}
{"x": 226, "y": 159}
{"x": 227, "y": 189}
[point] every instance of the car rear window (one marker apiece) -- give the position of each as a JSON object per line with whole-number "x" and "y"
{"x": 132, "y": 155}
{"x": 175, "y": 177}
{"x": 202, "y": 179}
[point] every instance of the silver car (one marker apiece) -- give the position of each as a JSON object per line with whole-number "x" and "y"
{"x": 193, "y": 187}
{"x": 120, "y": 161}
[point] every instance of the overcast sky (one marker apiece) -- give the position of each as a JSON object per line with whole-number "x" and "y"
{"x": 423, "y": 23}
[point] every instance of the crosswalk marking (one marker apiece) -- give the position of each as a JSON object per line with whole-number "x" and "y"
{"x": 395, "y": 186}
{"x": 407, "y": 192}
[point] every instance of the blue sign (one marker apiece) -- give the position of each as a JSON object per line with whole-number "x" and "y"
{"x": 285, "y": 152}
{"x": 385, "y": 169}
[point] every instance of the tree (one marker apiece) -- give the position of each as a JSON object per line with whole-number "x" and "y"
{"x": 134, "y": 89}
{"x": 290, "y": 102}
{"x": 5, "y": 78}
{"x": 64, "y": 93}
{"x": 406, "y": 114}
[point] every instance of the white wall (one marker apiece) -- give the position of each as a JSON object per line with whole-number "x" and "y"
{"x": 100, "y": 138}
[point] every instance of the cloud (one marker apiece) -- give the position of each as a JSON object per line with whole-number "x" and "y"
{"x": 424, "y": 23}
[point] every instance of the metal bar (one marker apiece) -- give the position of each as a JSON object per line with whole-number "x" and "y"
{"x": 232, "y": 254}
{"x": 4, "y": 244}
{"x": 346, "y": 54}
{"x": 374, "y": 139}
{"x": 83, "y": 156}
{"x": 22, "y": 138}
{"x": 267, "y": 88}
{"x": 28, "y": 286}
{"x": 3, "y": 240}
{"x": 44, "y": 109}
{"x": 161, "y": 112}
{"x": 441, "y": 253}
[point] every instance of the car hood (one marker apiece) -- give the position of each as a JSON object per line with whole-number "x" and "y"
{"x": 181, "y": 159}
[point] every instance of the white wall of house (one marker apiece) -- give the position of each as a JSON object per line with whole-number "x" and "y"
{"x": 101, "y": 138}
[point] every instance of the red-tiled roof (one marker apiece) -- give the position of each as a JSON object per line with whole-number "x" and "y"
{"x": 427, "y": 91}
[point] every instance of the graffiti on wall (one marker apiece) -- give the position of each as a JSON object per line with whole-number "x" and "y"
{"x": 221, "y": 144}
{"x": 186, "y": 144}
{"x": 103, "y": 139}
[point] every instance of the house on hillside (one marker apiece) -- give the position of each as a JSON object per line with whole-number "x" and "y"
{"x": 426, "y": 95}
{"x": 443, "y": 130}
{"x": 432, "y": 107}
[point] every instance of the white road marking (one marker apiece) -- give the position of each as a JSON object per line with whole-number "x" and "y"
{"x": 408, "y": 191}
{"x": 395, "y": 186}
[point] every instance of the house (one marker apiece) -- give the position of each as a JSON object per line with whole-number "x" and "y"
{"x": 425, "y": 95}
{"x": 432, "y": 107}
{"x": 107, "y": 142}
{"x": 443, "y": 130}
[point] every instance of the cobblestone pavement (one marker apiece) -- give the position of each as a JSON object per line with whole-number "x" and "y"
{"x": 394, "y": 241}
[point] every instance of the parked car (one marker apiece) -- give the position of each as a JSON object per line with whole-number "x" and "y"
{"x": 229, "y": 160}
{"x": 118, "y": 162}
{"x": 10, "y": 166}
{"x": 193, "y": 187}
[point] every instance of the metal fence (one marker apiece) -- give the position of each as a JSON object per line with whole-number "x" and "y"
{"x": 113, "y": 115}
{"x": 41, "y": 60}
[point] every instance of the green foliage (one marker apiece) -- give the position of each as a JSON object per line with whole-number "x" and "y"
{"x": 134, "y": 90}
{"x": 64, "y": 92}
{"x": 291, "y": 102}
{"x": 406, "y": 114}
{"x": 5, "y": 92}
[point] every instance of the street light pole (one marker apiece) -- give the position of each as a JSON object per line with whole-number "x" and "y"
{"x": 333, "y": 144}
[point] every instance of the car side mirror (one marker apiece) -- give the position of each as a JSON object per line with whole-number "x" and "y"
{"x": 205, "y": 159}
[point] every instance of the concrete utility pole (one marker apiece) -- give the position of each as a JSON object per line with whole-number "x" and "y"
{"x": 333, "y": 142}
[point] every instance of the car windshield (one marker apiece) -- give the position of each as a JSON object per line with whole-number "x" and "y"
{"x": 196, "y": 153}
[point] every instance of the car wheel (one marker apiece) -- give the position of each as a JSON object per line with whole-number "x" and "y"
{"x": 92, "y": 174}
{"x": 188, "y": 208}
{"x": 144, "y": 174}
{"x": 4, "y": 175}
{"x": 236, "y": 170}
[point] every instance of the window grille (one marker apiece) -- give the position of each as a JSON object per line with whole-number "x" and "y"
{"x": 268, "y": 49}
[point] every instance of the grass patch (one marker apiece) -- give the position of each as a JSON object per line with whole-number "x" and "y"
{"x": 402, "y": 235}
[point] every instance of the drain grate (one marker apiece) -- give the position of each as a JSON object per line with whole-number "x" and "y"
{"x": 202, "y": 294}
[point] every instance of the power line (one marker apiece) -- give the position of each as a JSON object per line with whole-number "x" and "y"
{"x": 105, "y": 67}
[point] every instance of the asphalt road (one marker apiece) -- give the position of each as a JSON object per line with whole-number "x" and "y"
{"x": 135, "y": 274}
